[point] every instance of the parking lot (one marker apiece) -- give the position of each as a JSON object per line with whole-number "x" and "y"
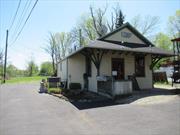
{"x": 23, "y": 111}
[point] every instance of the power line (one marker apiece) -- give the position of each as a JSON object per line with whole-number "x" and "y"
{"x": 15, "y": 15}
{"x": 21, "y": 18}
{"x": 24, "y": 23}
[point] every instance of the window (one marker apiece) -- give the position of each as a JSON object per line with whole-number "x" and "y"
{"x": 140, "y": 66}
{"x": 118, "y": 65}
{"x": 88, "y": 66}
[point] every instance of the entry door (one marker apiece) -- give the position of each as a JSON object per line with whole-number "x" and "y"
{"x": 118, "y": 65}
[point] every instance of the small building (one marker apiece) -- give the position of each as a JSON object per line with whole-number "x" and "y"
{"x": 107, "y": 64}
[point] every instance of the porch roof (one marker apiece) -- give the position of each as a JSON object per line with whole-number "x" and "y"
{"x": 97, "y": 44}
{"x": 111, "y": 46}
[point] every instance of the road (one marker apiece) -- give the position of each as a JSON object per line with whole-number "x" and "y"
{"x": 23, "y": 111}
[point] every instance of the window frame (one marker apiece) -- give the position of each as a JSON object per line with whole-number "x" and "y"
{"x": 122, "y": 61}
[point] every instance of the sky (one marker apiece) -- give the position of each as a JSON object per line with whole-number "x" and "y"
{"x": 61, "y": 16}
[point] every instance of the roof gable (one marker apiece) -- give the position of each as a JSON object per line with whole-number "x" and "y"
{"x": 128, "y": 36}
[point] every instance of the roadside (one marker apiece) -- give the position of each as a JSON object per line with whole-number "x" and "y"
{"x": 21, "y": 80}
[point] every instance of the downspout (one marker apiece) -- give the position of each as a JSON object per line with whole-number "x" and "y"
{"x": 67, "y": 71}
{"x": 152, "y": 68}
{"x": 152, "y": 73}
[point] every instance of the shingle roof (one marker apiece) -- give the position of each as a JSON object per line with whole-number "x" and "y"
{"x": 97, "y": 44}
{"x": 111, "y": 46}
{"x": 154, "y": 50}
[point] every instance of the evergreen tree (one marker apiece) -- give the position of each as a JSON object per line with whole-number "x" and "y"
{"x": 119, "y": 18}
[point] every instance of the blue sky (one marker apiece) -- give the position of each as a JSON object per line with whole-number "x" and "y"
{"x": 62, "y": 15}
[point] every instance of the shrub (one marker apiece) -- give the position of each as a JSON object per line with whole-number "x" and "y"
{"x": 54, "y": 90}
{"x": 75, "y": 86}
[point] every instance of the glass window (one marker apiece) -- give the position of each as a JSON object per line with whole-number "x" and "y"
{"x": 140, "y": 66}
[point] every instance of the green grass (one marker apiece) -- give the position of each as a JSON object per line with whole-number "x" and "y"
{"x": 26, "y": 79}
{"x": 163, "y": 85}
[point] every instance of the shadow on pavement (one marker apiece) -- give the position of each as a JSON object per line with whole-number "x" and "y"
{"x": 94, "y": 104}
{"x": 88, "y": 100}
{"x": 148, "y": 93}
{"x": 103, "y": 101}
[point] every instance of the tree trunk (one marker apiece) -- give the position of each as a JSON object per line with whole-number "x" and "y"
{"x": 53, "y": 64}
{"x": 98, "y": 71}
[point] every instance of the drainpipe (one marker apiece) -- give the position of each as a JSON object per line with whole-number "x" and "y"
{"x": 67, "y": 71}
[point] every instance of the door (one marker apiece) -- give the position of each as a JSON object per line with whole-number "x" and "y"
{"x": 118, "y": 65}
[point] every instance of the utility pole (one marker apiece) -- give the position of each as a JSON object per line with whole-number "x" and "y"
{"x": 5, "y": 60}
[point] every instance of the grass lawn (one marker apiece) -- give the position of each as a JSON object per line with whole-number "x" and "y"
{"x": 26, "y": 79}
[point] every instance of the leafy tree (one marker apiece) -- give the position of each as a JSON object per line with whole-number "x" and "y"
{"x": 12, "y": 71}
{"x": 46, "y": 69}
{"x": 174, "y": 24}
{"x": 163, "y": 41}
{"x": 32, "y": 68}
{"x": 84, "y": 31}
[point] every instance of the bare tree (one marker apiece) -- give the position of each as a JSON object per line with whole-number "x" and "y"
{"x": 57, "y": 47}
{"x": 174, "y": 24}
{"x": 111, "y": 26}
{"x": 51, "y": 49}
{"x": 63, "y": 41}
{"x": 145, "y": 25}
{"x": 117, "y": 18}
{"x": 95, "y": 24}
{"x": 99, "y": 20}
{"x": 79, "y": 37}
{"x": 136, "y": 21}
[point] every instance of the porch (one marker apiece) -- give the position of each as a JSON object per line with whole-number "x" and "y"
{"x": 113, "y": 67}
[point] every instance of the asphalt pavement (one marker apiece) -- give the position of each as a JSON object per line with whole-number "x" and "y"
{"x": 23, "y": 111}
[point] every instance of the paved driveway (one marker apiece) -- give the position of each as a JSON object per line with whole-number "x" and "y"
{"x": 23, "y": 111}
